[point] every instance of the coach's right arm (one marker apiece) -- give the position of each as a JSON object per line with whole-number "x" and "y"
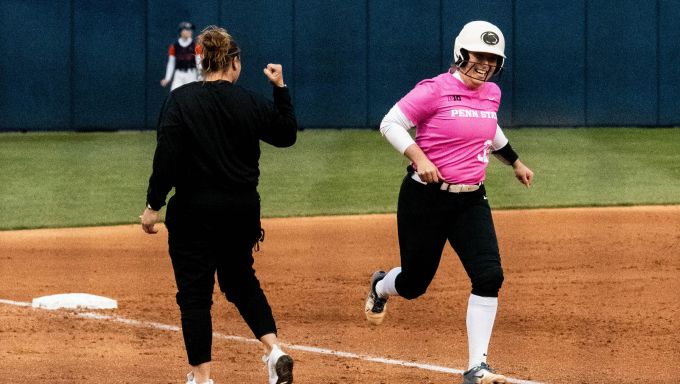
{"x": 168, "y": 139}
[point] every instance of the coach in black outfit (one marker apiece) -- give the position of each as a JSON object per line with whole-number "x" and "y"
{"x": 208, "y": 149}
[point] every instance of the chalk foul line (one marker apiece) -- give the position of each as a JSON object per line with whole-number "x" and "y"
{"x": 295, "y": 347}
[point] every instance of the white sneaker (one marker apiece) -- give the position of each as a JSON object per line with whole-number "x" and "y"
{"x": 190, "y": 379}
{"x": 280, "y": 366}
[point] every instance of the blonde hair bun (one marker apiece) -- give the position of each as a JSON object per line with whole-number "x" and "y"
{"x": 218, "y": 49}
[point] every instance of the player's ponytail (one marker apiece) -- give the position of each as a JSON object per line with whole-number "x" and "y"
{"x": 218, "y": 49}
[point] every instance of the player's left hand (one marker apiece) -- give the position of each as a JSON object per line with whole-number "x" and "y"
{"x": 523, "y": 173}
{"x": 149, "y": 219}
{"x": 274, "y": 73}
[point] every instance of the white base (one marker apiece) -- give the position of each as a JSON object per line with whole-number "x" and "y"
{"x": 74, "y": 301}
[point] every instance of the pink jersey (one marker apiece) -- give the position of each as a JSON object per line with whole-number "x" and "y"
{"x": 455, "y": 125}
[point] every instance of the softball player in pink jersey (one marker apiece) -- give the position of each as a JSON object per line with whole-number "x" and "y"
{"x": 443, "y": 197}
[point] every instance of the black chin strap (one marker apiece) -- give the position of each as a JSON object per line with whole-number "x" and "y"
{"x": 489, "y": 75}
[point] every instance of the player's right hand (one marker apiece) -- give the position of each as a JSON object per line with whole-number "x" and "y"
{"x": 164, "y": 83}
{"x": 427, "y": 171}
{"x": 149, "y": 219}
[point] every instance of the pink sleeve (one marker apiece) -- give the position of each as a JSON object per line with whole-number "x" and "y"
{"x": 421, "y": 102}
{"x": 493, "y": 92}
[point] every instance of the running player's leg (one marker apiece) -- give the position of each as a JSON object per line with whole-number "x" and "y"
{"x": 474, "y": 239}
{"x": 422, "y": 235}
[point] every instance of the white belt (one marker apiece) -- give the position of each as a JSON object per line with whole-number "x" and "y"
{"x": 458, "y": 188}
{"x": 453, "y": 188}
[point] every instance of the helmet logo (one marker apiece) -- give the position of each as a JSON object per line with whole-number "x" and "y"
{"x": 490, "y": 38}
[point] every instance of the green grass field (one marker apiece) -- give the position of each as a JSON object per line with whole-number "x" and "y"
{"x": 77, "y": 179}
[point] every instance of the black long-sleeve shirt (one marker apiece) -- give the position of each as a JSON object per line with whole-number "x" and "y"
{"x": 208, "y": 138}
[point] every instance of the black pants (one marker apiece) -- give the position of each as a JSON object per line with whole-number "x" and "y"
{"x": 205, "y": 239}
{"x": 426, "y": 218}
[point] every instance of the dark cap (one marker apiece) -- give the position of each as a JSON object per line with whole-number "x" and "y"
{"x": 185, "y": 25}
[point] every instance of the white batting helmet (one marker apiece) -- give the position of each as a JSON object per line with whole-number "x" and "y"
{"x": 479, "y": 36}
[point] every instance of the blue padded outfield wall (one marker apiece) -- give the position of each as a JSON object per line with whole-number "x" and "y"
{"x": 96, "y": 65}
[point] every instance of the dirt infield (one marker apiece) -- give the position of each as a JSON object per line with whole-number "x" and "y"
{"x": 590, "y": 296}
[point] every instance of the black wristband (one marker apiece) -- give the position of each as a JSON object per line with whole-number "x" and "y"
{"x": 506, "y": 154}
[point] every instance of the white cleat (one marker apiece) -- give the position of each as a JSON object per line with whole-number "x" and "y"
{"x": 279, "y": 366}
{"x": 191, "y": 380}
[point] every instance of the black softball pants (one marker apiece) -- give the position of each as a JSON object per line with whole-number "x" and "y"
{"x": 205, "y": 239}
{"x": 426, "y": 218}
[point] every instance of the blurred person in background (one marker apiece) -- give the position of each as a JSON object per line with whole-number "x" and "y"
{"x": 183, "y": 58}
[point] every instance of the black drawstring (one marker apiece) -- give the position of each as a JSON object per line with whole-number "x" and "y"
{"x": 258, "y": 239}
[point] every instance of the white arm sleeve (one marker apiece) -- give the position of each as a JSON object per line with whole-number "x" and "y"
{"x": 394, "y": 126}
{"x": 499, "y": 140}
{"x": 170, "y": 68}
{"x": 199, "y": 70}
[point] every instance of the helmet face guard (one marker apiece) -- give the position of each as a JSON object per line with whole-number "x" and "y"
{"x": 495, "y": 69}
{"x": 479, "y": 36}
{"x": 464, "y": 59}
